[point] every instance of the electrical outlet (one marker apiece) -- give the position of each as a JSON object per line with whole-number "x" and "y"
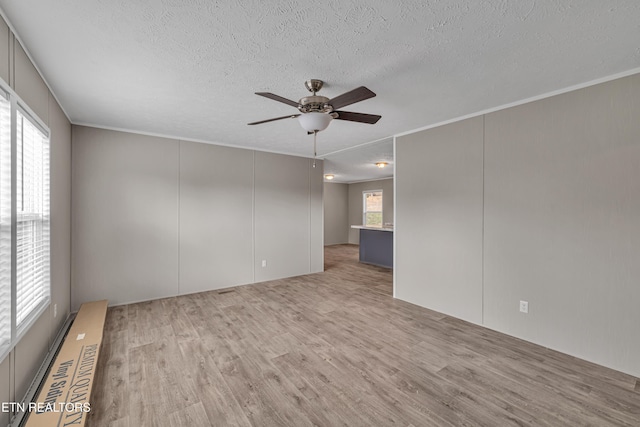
{"x": 524, "y": 307}
{"x": 55, "y": 310}
{"x": 264, "y": 262}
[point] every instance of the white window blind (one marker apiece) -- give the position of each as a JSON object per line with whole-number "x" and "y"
{"x": 372, "y": 208}
{"x": 25, "y": 266}
{"x": 32, "y": 220}
{"x": 5, "y": 224}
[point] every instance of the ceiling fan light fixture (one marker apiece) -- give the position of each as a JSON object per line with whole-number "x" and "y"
{"x": 314, "y": 122}
{"x": 381, "y": 164}
{"x": 329, "y": 176}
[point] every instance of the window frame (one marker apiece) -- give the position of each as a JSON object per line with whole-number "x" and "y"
{"x": 35, "y": 312}
{"x": 365, "y": 211}
{"x": 6, "y": 207}
{"x": 17, "y": 104}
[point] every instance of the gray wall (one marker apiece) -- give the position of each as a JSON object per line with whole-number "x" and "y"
{"x": 439, "y": 219}
{"x": 156, "y": 217}
{"x": 215, "y": 249}
{"x": 288, "y": 216}
{"x": 19, "y": 367}
{"x": 125, "y": 216}
{"x": 355, "y": 204}
{"x": 336, "y": 213}
{"x": 559, "y": 227}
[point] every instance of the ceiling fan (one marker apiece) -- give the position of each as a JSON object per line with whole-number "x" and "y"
{"x": 316, "y": 112}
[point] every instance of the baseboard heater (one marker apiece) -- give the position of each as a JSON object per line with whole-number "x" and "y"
{"x": 59, "y": 394}
{"x": 36, "y": 384}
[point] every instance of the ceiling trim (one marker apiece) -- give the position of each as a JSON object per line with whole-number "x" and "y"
{"x": 364, "y": 144}
{"x": 26, "y": 51}
{"x": 323, "y": 156}
{"x": 367, "y": 180}
{"x": 409, "y": 132}
{"x": 524, "y": 101}
{"x": 201, "y": 141}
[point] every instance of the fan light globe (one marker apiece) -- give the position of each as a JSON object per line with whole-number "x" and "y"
{"x": 313, "y": 121}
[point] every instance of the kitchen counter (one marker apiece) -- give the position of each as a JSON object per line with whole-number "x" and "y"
{"x": 364, "y": 227}
{"x": 376, "y": 245}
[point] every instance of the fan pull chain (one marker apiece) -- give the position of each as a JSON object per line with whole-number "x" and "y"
{"x": 315, "y": 132}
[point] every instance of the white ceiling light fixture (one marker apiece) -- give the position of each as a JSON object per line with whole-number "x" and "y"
{"x": 381, "y": 164}
{"x": 314, "y": 122}
{"x": 329, "y": 177}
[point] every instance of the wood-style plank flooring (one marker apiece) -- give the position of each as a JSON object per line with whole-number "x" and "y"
{"x": 335, "y": 349}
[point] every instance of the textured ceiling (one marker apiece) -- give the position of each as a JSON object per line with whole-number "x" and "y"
{"x": 359, "y": 163}
{"x": 189, "y": 68}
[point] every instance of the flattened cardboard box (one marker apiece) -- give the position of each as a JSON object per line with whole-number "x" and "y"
{"x": 64, "y": 398}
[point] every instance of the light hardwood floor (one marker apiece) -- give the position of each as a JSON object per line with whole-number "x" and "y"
{"x": 335, "y": 349}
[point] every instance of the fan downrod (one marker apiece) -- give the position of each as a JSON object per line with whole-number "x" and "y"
{"x": 314, "y": 85}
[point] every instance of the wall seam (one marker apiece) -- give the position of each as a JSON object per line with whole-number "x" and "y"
{"x": 484, "y": 116}
{"x": 253, "y": 213}
{"x": 12, "y": 378}
{"x": 395, "y": 217}
{"x": 52, "y": 322}
{"x": 12, "y": 57}
{"x": 178, "y": 218}
{"x": 309, "y": 211}
{"x": 70, "y": 220}
{"x": 10, "y": 62}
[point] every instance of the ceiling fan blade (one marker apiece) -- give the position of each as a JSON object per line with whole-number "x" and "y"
{"x": 290, "y": 116}
{"x": 358, "y": 117}
{"x": 351, "y": 97}
{"x": 278, "y": 98}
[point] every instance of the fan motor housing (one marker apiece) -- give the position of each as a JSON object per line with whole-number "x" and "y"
{"x": 315, "y": 103}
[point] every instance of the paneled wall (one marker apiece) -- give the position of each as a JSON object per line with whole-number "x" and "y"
{"x": 336, "y": 213}
{"x": 156, "y": 217}
{"x": 125, "y": 216}
{"x": 562, "y": 222}
{"x": 538, "y": 202}
{"x": 439, "y": 219}
{"x": 216, "y": 217}
{"x": 18, "y": 369}
{"x": 288, "y": 216}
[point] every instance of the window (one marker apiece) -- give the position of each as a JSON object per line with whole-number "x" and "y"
{"x": 372, "y": 208}
{"x": 5, "y": 224}
{"x": 25, "y": 272}
{"x": 32, "y": 219}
